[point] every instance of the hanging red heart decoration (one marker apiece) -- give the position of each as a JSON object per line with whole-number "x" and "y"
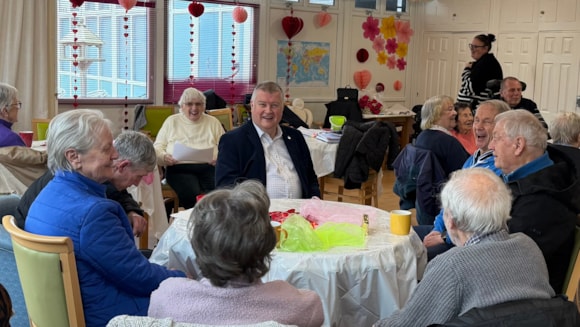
{"x": 240, "y": 15}
{"x": 127, "y": 4}
{"x": 77, "y": 3}
{"x": 292, "y": 25}
{"x": 322, "y": 19}
{"x": 362, "y": 78}
{"x": 195, "y": 9}
{"x": 362, "y": 55}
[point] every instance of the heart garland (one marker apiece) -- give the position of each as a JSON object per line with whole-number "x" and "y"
{"x": 196, "y": 9}
{"x": 77, "y": 3}
{"x": 127, "y": 4}
{"x": 292, "y": 26}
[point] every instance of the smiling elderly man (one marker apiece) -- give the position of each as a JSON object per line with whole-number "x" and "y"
{"x": 545, "y": 187}
{"x": 511, "y": 92}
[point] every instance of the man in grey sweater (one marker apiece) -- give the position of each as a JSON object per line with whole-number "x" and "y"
{"x": 488, "y": 266}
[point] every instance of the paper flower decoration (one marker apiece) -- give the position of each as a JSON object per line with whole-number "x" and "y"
{"x": 322, "y": 19}
{"x": 390, "y": 41}
{"x": 372, "y": 105}
{"x": 362, "y": 78}
{"x": 370, "y": 28}
{"x": 239, "y": 15}
{"x": 362, "y": 55}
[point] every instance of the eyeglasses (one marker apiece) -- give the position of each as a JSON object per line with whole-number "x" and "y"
{"x": 17, "y": 105}
{"x": 473, "y": 46}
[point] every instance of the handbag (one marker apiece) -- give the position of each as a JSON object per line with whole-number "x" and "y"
{"x": 347, "y": 94}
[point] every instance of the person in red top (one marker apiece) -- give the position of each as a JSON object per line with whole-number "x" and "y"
{"x": 463, "y": 130}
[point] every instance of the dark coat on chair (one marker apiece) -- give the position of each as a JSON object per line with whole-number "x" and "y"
{"x": 241, "y": 157}
{"x": 363, "y": 146}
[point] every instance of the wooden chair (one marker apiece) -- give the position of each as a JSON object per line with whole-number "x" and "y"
{"x": 39, "y": 128}
{"x": 573, "y": 274}
{"x": 224, "y": 116}
{"x": 155, "y": 116}
{"x": 54, "y": 299}
{"x": 367, "y": 194}
{"x": 144, "y": 238}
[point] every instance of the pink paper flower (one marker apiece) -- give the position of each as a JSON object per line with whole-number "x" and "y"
{"x": 382, "y": 58}
{"x": 402, "y": 50}
{"x": 379, "y": 44}
{"x": 391, "y": 46}
{"x": 370, "y": 28}
{"x": 391, "y": 62}
{"x": 388, "y": 27}
{"x": 401, "y": 63}
{"x": 404, "y": 31}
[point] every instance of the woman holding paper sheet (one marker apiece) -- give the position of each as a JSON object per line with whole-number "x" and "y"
{"x": 191, "y": 128}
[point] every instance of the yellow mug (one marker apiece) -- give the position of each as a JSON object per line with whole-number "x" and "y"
{"x": 400, "y": 222}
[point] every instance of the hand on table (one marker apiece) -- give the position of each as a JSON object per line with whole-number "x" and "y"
{"x": 138, "y": 222}
{"x": 432, "y": 239}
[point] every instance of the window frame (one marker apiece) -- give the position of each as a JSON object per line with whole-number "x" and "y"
{"x": 151, "y": 22}
{"x": 172, "y": 89}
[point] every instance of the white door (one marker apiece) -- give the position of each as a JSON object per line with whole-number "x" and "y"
{"x": 444, "y": 59}
{"x": 557, "y": 73}
{"x": 517, "y": 54}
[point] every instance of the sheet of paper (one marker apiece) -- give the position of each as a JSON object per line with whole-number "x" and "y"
{"x": 184, "y": 153}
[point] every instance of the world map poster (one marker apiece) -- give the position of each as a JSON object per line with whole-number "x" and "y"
{"x": 309, "y": 63}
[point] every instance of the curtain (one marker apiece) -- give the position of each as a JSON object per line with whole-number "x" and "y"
{"x": 28, "y": 56}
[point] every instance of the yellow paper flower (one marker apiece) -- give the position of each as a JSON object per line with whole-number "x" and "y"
{"x": 388, "y": 27}
{"x": 382, "y": 58}
{"x": 402, "y": 50}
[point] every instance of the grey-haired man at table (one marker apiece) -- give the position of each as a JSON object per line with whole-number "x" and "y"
{"x": 488, "y": 266}
{"x": 262, "y": 149}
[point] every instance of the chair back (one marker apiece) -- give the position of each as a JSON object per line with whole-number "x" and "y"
{"x": 224, "y": 116}
{"x": 39, "y": 129}
{"x": 155, "y": 116}
{"x": 573, "y": 274}
{"x": 48, "y": 272}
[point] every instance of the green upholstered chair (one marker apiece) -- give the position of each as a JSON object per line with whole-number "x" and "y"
{"x": 224, "y": 116}
{"x": 155, "y": 116}
{"x": 48, "y": 272}
{"x": 573, "y": 275}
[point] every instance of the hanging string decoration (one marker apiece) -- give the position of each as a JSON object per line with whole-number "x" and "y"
{"x": 196, "y": 9}
{"x": 239, "y": 15}
{"x": 291, "y": 26}
{"x": 75, "y": 50}
{"x": 127, "y": 4}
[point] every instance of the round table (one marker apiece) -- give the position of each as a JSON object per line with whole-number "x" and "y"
{"x": 357, "y": 286}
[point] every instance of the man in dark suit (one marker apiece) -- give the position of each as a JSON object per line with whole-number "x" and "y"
{"x": 262, "y": 149}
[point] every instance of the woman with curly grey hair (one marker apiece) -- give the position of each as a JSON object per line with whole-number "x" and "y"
{"x": 231, "y": 235}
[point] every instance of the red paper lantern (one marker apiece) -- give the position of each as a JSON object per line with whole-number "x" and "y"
{"x": 77, "y": 3}
{"x": 292, "y": 25}
{"x": 322, "y": 19}
{"x": 195, "y": 9}
{"x": 240, "y": 15}
{"x": 128, "y": 4}
{"x": 362, "y": 55}
{"x": 362, "y": 78}
{"x": 397, "y": 85}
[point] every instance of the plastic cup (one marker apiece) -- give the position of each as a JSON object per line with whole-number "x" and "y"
{"x": 336, "y": 122}
{"x": 400, "y": 222}
{"x": 26, "y": 137}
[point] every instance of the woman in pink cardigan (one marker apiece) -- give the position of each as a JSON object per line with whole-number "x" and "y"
{"x": 232, "y": 238}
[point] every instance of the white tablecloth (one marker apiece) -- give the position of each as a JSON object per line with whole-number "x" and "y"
{"x": 357, "y": 286}
{"x": 151, "y": 199}
{"x": 323, "y": 155}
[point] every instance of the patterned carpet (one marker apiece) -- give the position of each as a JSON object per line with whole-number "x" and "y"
{"x": 9, "y": 278}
